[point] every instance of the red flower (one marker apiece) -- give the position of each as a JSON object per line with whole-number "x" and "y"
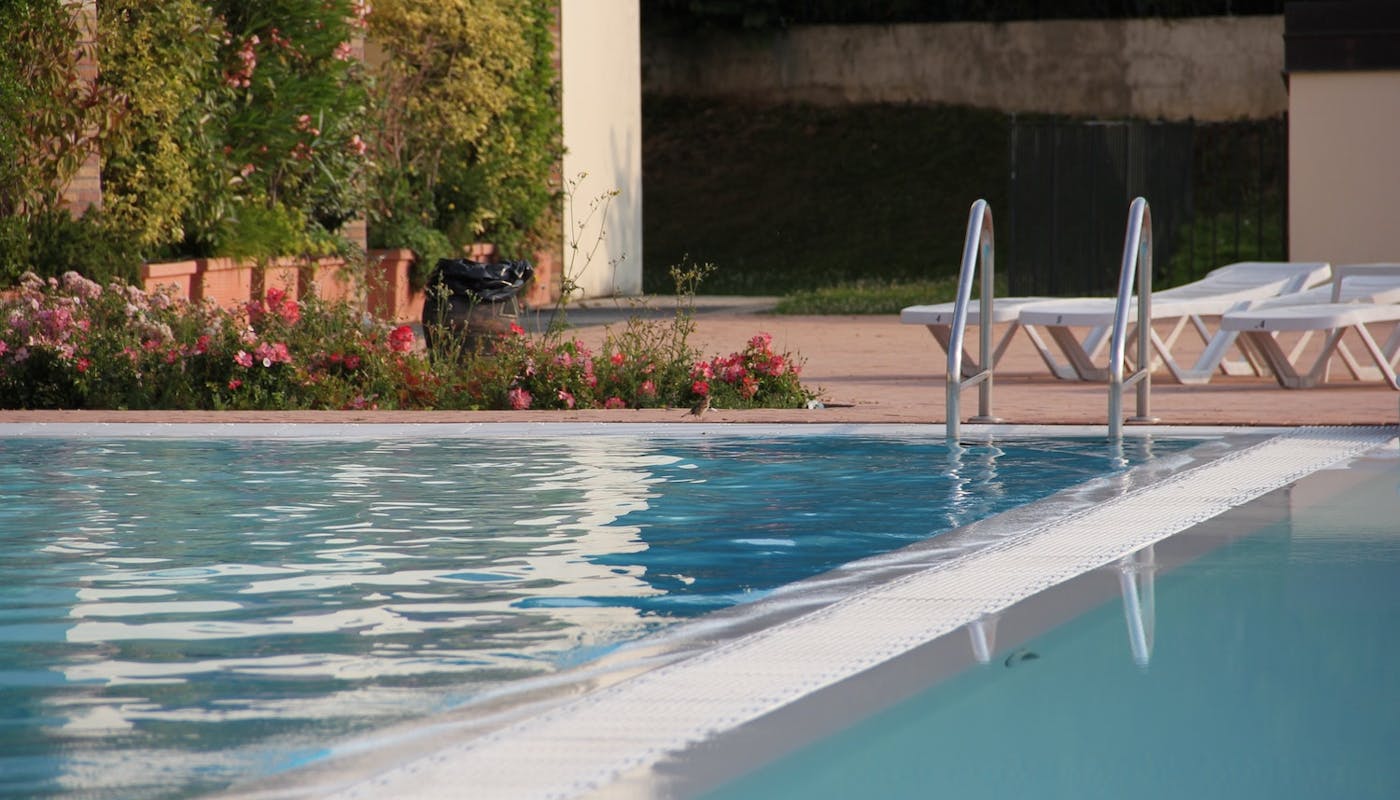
{"x": 401, "y": 339}
{"x": 700, "y": 387}
{"x": 516, "y": 330}
{"x": 234, "y": 384}
{"x": 648, "y": 389}
{"x": 748, "y": 387}
{"x": 617, "y": 359}
{"x": 201, "y": 345}
{"x": 82, "y": 364}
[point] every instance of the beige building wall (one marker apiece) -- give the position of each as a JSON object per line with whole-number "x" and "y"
{"x": 1210, "y": 68}
{"x": 1344, "y": 166}
{"x": 600, "y": 54}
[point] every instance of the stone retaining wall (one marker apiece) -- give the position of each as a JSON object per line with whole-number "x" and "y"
{"x": 1210, "y": 68}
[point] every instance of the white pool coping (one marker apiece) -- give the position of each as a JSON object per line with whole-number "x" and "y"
{"x": 585, "y": 745}
{"x": 446, "y": 430}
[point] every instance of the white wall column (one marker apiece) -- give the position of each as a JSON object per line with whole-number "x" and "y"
{"x": 600, "y": 56}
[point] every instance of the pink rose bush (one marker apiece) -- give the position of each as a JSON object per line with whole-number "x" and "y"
{"x": 72, "y": 343}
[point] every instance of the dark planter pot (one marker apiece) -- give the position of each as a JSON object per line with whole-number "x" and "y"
{"x": 462, "y": 324}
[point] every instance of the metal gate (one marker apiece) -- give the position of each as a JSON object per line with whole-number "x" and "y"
{"x": 1216, "y": 192}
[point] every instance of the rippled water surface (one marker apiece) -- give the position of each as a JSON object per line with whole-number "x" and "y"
{"x": 178, "y": 614}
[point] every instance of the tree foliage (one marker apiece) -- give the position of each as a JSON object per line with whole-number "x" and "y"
{"x": 466, "y": 103}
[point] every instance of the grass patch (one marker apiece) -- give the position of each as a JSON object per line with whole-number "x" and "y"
{"x": 794, "y": 197}
{"x": 868, "y": 297}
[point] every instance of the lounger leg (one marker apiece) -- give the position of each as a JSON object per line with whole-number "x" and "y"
{"x": 1265, "y": 343}
{"x": 1074, "y": 352}
{"x": 1064, "y": 372}
{"x": 1380, "y": 355}
{"x": 943, "y": 334}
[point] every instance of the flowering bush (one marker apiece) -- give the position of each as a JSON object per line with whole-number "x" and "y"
{"x": 73, "y": 343}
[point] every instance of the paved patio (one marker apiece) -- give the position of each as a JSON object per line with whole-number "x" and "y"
{"x": 872, "y": 369}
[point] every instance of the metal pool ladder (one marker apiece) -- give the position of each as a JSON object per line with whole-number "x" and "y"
{"x": 977, "y": 245}
{"x": 1137, "y": 261}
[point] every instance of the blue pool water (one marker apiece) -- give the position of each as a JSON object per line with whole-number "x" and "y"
{"x": 177, "y": 614}
{"x": 1274, "y": 675}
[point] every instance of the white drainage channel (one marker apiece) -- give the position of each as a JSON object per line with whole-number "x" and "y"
{"x": 589, "y": 743}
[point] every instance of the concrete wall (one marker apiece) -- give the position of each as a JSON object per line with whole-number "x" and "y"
{"x": 1216, "y": 68}
{"x": 1343, "y": 172}
{"x": 600, "y": 51}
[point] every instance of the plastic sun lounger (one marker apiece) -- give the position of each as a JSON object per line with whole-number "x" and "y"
{"x": 938, "y": 318}
{"x": 1232, "y": 287}
{"x": 1360, "y": 295}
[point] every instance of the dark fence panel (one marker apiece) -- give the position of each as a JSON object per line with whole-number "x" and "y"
{"x": 1213, "y": 191}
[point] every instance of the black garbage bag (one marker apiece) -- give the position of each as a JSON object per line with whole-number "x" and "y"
{"x": 484, "y": 283}
{"x": 463, "y": 301}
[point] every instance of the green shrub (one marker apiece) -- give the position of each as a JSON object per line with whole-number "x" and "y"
{"x": 52, "y": 242}
{"x": 466, "y": 109}
{"x": 162, "y": 173}
{"x": 50, "y": 119}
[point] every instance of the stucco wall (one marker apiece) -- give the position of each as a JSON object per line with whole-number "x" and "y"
{"x": 1343, "y": 173}
{"x": 1217, "y": 68}
{"x": 600, "y": 52}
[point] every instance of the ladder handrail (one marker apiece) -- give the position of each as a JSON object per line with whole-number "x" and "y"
{"x": 1137, "y": 262}
{"x": 978, "y": 245}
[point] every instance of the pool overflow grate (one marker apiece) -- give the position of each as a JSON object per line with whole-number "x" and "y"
{"x": 588, "y": 743}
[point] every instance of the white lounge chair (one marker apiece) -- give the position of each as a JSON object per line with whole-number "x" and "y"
{"x": 1359, "y": 295}
{"x": 938, "y": 318}
{"x": 1229, "y": 288}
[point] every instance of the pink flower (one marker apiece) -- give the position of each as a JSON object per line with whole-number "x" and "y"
{"x": 82, "y": 364}
{"x": 234, "y": 384}
{"x": 289, "y": 311}
{"x": 761, "y": 342}
{"x": 614, "y": 402}
{"x": 401, "y": 339}
{"x": 342, "y": 51}
{"x": 243, "y": 359}
{"x": 201, "y": 345}
{"x": 4, "y": 348}
{"x": 358, "y": 146}
{"x": 518, "y": 398}
{"x": 566, "y": 398}
{"x": 700, "y": 387}
{"x": 647, "y": 389}
{"x": 702, "y": 369}
{"x": 617, "y": 359}
{"x": 270, "y": 354}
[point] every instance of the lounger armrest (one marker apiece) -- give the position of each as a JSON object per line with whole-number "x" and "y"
{"x": 1340, "y": 273}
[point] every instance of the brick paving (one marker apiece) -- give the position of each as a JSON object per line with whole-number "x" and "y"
{"x": 872, "y": 369}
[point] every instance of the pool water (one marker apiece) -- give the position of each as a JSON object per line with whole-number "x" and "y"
{"x": 1273, "y": 676}
{"x": 178, "y": 614}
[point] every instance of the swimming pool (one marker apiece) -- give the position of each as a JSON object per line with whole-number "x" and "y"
{"x": 735, "y": 703}
{"x": 1272, "y": 676}
{"x": 181, "y": 609}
